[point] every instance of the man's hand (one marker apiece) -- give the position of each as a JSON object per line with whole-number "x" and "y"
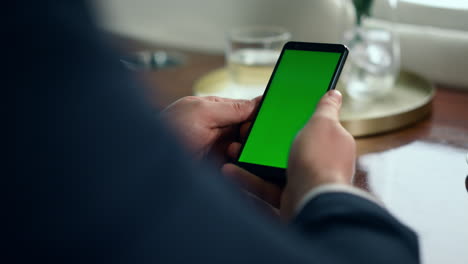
{"x": 208, "y": 123}
{"x": 322, "y": 153}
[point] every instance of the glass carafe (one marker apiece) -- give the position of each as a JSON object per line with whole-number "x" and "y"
{"x": 374, "y": 61}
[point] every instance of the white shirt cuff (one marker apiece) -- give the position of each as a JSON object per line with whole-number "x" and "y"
{"x": 335, "y": 188}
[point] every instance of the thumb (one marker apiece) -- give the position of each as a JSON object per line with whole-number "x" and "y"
{"x": 329, "y": 106}
{"x": 232, "y": 112}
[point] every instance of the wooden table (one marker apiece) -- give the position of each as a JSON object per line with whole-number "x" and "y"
{"x": 414, "y": 199}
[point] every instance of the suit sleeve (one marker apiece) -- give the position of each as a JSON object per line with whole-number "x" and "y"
{"x": 360, "y": 228}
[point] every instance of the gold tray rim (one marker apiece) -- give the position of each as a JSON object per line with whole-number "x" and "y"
{"x": 367, "y": 126}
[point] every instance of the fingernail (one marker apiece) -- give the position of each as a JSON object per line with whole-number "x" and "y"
{"x": 335, "y": 94}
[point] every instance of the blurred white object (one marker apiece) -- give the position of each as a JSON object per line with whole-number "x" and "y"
{"x": 423, "y": 185}
{"x": 433, "y": 36}
{"x": 445, "y": 14}
{"x": 202, "y": 24}
{"x": 437, "y": 54}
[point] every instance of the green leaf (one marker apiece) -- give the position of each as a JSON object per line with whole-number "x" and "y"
{"x": 362, "y": 8}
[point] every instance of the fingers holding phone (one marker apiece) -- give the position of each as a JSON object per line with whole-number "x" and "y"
{"x": 322, "y": 153}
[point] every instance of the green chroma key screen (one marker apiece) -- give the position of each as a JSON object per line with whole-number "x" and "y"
{"x": 301, "y": 79}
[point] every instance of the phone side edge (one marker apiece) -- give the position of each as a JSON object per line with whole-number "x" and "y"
{"x": 339, "y": 68}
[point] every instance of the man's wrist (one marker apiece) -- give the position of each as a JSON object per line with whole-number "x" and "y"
{"x": 334, "y": 188}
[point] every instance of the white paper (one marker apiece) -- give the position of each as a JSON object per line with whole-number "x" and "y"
{"x": 423, "y": 185}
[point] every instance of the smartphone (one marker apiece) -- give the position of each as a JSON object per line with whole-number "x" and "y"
{"x": 303, "y": 73}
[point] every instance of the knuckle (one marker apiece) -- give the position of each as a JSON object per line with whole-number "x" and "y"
{"x": 213, "y": 98}
{"x": 238, "y": 107}
{"x": 190, "y": 98}
{"x": 329, "y": 102}
{"x": 324, "y": 119}
{"x": 197, "y": 100}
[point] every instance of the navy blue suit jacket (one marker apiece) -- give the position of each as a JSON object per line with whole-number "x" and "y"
{"x": 97, "y": 179}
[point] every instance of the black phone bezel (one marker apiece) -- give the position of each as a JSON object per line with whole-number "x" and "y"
{"x": 274, "y": 174}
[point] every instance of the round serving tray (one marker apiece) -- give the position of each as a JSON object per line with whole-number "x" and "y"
{"x": 408, "y": 102}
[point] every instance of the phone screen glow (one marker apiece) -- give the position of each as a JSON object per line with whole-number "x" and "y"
{"x": 301, "y": 79}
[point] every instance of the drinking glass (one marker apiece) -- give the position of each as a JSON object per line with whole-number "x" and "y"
{"x": 252, "y": 52}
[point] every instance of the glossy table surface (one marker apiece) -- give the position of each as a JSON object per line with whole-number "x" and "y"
{"x": 419, "y": 172}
